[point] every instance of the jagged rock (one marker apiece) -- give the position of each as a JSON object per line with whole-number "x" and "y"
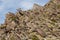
{"x": 36, "y": 6}
{"x": 9, "y": 17}
{"x": 39, "y": 23}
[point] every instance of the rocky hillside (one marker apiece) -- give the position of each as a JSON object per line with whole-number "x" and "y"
{"x": 39, "y": 23}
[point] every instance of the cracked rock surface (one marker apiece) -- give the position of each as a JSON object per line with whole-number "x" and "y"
{"x": 39, "y": 23}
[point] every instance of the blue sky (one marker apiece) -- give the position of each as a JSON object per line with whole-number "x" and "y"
{"x": 11, "y": 6}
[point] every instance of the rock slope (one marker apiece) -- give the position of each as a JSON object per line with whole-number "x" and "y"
{"x": 39, "y": 23}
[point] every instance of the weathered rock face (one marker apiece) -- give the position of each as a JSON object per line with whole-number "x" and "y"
{"x": 39, "y": 23}
{"x": 9, "y": 18}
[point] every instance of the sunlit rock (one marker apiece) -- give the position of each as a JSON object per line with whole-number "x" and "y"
{"x": 39, "y": 23}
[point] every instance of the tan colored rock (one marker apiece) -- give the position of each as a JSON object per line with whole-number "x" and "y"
{"x": 40, "y": 21}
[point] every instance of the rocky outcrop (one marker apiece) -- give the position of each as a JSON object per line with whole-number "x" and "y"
{"x": 39, "y": 23}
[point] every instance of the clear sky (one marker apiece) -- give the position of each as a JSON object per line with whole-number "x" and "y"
{"x": 11, "y": 6}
